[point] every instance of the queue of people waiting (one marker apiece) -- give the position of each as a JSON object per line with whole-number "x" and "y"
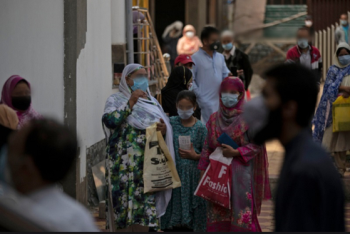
{"x": 204, "y": 99}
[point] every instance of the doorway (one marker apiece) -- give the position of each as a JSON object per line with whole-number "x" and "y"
{"x": 167, "y": 12}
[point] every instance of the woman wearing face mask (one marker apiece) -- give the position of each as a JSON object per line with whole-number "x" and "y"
{"x": 180, "y": 79}
{"x": 127, "y": 115}
{"x": 185, "y": 211}
{"x": 337, "y": 84}
{"x": 189, "y": 43}
{"x": 16, "y": 94}
{"x": 250, "y": 183}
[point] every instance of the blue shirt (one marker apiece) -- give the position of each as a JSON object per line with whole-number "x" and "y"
{"x": 208, "y": 73}
{"x": 346, "y": 28}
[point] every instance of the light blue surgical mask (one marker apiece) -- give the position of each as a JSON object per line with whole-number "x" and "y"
{"x": 229, "y": 100}
{"x": 185, "y": 114}
{"x": 228, "y": 46}
{"x": 344, "y": 60}
{"x": 140, "y": 83}
{"x": 343, "y": 22}
{"x": 303, "y": 43}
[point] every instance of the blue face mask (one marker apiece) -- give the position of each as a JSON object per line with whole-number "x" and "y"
{"x": 344, "y": 60}
{"x": 185, "y": 114}
{"x": 303, "y": 43}
{"x": 344, "y": 22}
{"x": 140, "y": 83}
{"x": 228, "y": 46}
{"x": 229, "y": 99}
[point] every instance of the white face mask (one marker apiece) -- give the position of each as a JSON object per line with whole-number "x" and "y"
{"x": 190, "y": 34}
{"x": 308, "y": 23}
{"x": 185, "y": 114}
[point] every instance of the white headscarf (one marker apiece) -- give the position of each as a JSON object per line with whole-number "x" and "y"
{"x": 144, "y": 114}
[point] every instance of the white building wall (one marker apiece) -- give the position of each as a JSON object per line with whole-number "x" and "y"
{"x": 32, "y": 46}
{"x": 94, "y": 75}
{"x": 118, "y": 22}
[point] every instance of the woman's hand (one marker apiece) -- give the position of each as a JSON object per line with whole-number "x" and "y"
{"x": 345, "y": 94}
{"x": 229, "y": 152}
{"x": 135, "y": 97}
{"x": 189, "y": 154}
{"x": 161, "y": 127}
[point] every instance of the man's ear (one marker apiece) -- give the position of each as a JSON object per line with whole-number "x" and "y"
{"x": 289, "y": 110}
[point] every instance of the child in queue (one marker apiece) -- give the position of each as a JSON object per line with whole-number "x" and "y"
{"x": 185, "y": 211}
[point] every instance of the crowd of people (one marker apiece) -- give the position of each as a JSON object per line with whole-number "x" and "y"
{"x": 204, "y": 98}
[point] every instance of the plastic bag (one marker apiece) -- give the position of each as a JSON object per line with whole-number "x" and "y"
{"x": 341, "y": 114}
{"x": 159, "y": 171}
{"x": 215, "y": 185}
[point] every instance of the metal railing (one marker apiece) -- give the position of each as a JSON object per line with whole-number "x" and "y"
{"x": 149, "y": 52}
{"x": 325, "y": 42}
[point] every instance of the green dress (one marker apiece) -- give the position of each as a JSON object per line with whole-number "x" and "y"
{"x": 125, "y": 156}
{"x": 185, "y": 209}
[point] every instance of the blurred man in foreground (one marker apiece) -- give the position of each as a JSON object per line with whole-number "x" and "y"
{"x": 39, "y": 155}
{"x": 310, "y": 195}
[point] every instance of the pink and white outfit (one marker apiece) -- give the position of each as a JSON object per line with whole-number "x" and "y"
{"x": 250, "y": 182}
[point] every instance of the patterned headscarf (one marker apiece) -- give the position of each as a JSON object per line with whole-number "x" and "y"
{"x": 6, "y": 99}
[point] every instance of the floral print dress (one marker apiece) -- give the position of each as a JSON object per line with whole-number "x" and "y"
{"x": 185, "y": 209}
{"x": 125, "y": 157}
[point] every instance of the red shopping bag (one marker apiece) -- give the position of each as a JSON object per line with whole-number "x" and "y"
{"x": 215, "y": 183}
{"x": 248, "y": 95}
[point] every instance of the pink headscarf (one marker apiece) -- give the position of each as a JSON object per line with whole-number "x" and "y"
{"x": 6, "y": 99}
{"x": 230, "y": 121}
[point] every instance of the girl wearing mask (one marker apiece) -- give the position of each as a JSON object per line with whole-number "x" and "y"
{"x": 127, "y": 115}
{"x": 16, "y": 94}
{"x": 337, "y": 84}
{"x": 185, "y": 211}
{"x": 180, "y": 79}
{"x": 189, "y": 43}
{"x": 250, "y": 183}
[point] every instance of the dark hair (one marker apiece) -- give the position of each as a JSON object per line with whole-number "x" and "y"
{"x": 188, "y": 95}
{"x": 296, "y": 83}
{"x": 207, "y": 32}
{"x": 53, "y": 148}
{"x": 338, "y": 51}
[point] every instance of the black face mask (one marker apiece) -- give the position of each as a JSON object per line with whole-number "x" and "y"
{"x": 21, "y": 103}
{"x": 215, "y": 46}
{"x": 272, "y": 129}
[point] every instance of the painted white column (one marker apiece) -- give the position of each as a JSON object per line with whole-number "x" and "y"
{"x": 118, "y": 22}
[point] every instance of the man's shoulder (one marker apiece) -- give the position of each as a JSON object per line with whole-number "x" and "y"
{"x": 313, "y": 157}
{"x": 316, "y": 50}
{"x": 293, "y": 52}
